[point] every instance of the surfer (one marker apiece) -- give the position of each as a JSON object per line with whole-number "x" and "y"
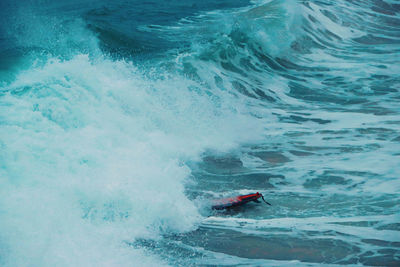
{"x": 226, "y": 203}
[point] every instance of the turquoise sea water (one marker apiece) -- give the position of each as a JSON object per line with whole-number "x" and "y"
{"x": 121, "y": 120}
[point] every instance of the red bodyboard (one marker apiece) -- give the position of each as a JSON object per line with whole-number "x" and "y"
{"x": 226, "y": 203}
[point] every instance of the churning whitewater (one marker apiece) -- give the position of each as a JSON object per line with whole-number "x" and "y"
{"x": 121, "y": 121}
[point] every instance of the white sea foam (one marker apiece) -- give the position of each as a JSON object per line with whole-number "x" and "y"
{"x": 92, "y": 156}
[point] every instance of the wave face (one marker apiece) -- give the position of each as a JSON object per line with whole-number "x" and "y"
{"x": 119, "y": 120}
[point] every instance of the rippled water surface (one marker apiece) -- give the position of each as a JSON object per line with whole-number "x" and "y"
{"x": 121, "y": 120}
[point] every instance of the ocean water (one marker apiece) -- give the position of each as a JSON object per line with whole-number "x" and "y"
{"x": 120, "y": 121}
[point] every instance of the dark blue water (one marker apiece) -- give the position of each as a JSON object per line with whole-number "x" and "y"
{"x": 121, "y": 120}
